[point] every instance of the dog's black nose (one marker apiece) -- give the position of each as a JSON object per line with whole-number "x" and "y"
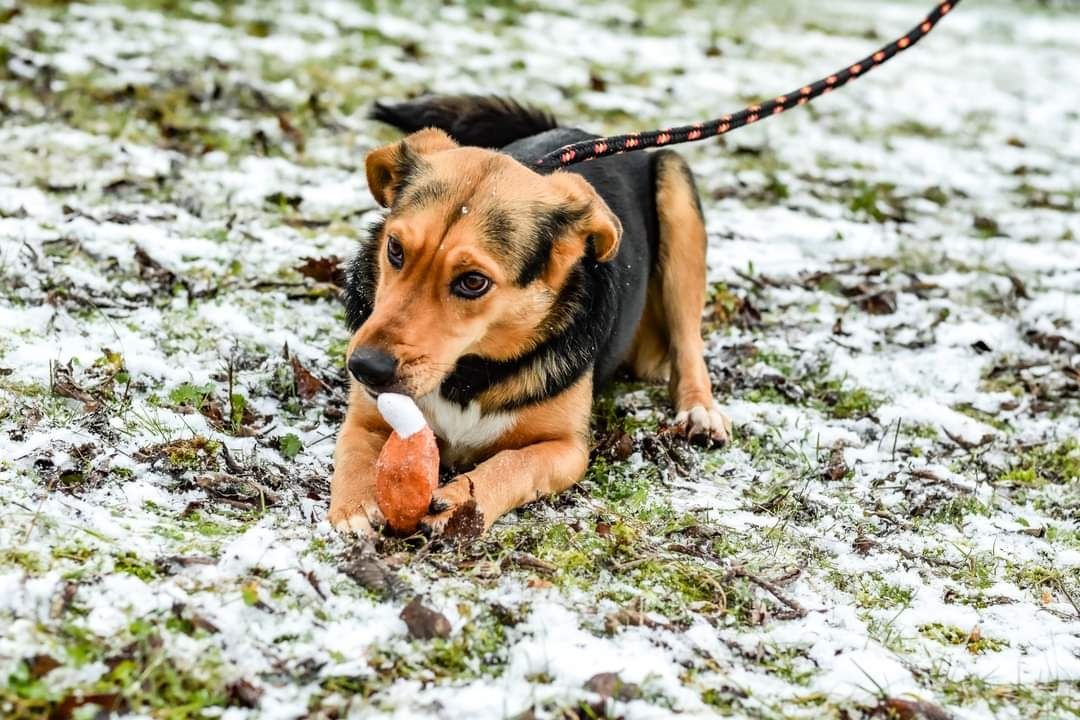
{"x": 373, "y": 367}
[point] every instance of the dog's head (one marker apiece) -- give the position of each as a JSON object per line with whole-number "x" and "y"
{"x": 470, "y": 260}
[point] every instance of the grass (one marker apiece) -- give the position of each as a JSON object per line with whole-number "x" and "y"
{"x": 973, "y": 640}
{"x": 140, "y": 677}
{"x": 660, "y": 537}
{"x": 810, "y": 384}
{"x": 1044, "y": 464}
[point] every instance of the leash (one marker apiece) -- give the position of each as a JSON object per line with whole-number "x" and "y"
{"x": 600, "y": 147}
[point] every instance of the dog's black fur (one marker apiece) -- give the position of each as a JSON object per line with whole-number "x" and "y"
{"x": 604, "y": 300}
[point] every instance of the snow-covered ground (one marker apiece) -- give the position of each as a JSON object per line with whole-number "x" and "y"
{"x": 896, "y": 331}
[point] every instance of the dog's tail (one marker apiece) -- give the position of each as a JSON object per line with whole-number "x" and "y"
{"x": 476, "y": 120}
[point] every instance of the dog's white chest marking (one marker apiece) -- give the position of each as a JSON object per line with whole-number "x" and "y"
{"x": 463, "y": 428}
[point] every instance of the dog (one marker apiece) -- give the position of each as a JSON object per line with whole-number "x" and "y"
{"x": 501, "y": 299}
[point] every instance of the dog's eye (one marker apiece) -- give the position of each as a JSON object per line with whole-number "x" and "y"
{"x": 471, "y": 285}
{"x": 394, "y": 252}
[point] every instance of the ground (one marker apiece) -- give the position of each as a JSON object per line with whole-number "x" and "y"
{"x": 894, "y": 325}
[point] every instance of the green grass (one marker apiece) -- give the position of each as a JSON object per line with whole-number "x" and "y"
{"x": 973, "y": 640}
{"x": 811, "y": 385}
{"x": 140, "y": 677}
{"x": 1042, "y": 464}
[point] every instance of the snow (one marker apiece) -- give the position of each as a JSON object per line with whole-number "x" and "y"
{"x": 176, "y": 251}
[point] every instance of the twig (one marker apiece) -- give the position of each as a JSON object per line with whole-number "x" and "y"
{"x": 896, "y": 437}
{"x": 775, "y": 590}
{"x": 1068, "y": 596}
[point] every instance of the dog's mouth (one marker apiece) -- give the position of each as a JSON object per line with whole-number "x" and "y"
{"x": 402, "y": 386}
{"x": 396, "y": 388}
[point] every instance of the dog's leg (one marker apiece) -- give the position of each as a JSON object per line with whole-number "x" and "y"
{"x": 545, "y": 452}
{"x": 352, "y": 489}
{"x": 669, "y": 337}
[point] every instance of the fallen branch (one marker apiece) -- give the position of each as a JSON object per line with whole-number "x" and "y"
{"x": 794, "y": 605}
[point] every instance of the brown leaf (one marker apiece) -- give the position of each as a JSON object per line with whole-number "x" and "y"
{"x": 1051, "y": 343}
{"x": 64, "y": 386}
{"x": 525, "y": 560}
{"x": 369, "y": 572}
{"x": 236, "y": 491}
{"x": 313, "y": 580}
{"x": 879, "y": 303}
{"x": 307, "y": 384}
{"x": 986, "y": 225}
{"x": 836, "y": 469}
{"x": 910, "y": 710}
{"x": 109, "y": 702}
{"x": 423, "y": 622}
{"x": 199, "y": 622}
{"x": 616, "y": 445}
{"x": 863, "y": 545}
{"x": 630, "y": 617}
{"x": 244, "y": 694}
{"x": 153, "y": 271}
{"x": 325, "y": 270}
{"x": 280, "y": 199}
{"x": 41, "y": 665}
{"x": 608, "y": 685}
{"x": 291, "y": 131}
{"x": 1018, "y": 287}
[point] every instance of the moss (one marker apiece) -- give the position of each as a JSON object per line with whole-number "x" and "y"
{"x": 975, "y": 642}
{"x": 31, "y": 563}
{"x": 790, "y": 664}
{"x": 926, "y": 432}
{"x": 77, "y": 553}
{"x": 811, "y": 385}
{"x": 194, "y": 453}
{"x": 914, "y": 128}
{"x": 477, "y": 650}
{"x": 1030, "y": 700}
{"x": 955, "y": 510}
{"x": 873, "y": 592}
{"x": 853, "y": 403}
{"x": 141, "y": 678}
{"x": 131, "y": 564}
{"x": 209, "y": 525}
{"x": 1045, "y": 464}
{"x": 982, "y": 416}
{"x": 877, "y": 202}
{"x": 978, "y": 571}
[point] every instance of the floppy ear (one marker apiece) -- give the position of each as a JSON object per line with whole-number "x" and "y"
{"x": 600, "y": 226}
{"x": 389, "y": 168}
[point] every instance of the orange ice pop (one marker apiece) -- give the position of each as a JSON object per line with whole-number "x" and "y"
{"x": 407, "y": 471}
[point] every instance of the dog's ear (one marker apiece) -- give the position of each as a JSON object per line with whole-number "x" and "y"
{"x": 600, "y": 227}
{"x": 389, "y": 168}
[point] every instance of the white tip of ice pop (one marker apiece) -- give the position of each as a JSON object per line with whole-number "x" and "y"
{"x": 401, "y": 413}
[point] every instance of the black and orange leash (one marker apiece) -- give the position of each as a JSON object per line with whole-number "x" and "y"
{"x": 600, "y": 147}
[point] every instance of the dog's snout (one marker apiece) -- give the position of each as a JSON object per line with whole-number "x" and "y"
{"x": 373, "y": 367}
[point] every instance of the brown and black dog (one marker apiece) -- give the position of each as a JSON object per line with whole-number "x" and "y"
{"x": 501, "y": 299}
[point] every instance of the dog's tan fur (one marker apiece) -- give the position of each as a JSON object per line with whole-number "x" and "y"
{"x": 440, "y": 222}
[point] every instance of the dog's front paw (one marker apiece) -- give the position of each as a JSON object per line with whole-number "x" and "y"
{"x": 362, "y": 518}
{"x": 704, "y": 425}
{"x": 453, "y": 512}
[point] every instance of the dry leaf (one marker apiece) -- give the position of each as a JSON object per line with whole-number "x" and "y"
{"x": 423, "y": 622}
{"x": 325, "y": 270}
